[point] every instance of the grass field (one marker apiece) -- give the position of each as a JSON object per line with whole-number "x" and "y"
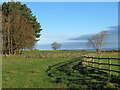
{"x": 74, "y": 75}
{"x": 27, "y": 73}
{"x": 21, "y": 72}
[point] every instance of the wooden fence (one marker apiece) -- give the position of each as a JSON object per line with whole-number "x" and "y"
{"x": 95, "y": 60}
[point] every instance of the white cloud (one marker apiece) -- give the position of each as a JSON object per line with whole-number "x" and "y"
{"x": 50, "y": 38}
{"x": 80, "y": 42}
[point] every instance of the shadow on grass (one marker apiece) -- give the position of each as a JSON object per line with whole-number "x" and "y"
{"x": 74, "y": 75}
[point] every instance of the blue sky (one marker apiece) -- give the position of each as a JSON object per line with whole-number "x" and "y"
{"x": 65, "y": 0}
{"x": 63, "y": 21}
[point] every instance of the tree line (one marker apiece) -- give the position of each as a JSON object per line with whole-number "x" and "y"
{"x": 20, "y": 28}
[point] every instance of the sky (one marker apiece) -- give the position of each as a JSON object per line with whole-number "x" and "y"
{"x": 65, "y": 0}
{"x": 67, "y": 22}
{"x": 62, "y": 21}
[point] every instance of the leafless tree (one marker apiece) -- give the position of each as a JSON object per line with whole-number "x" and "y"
{"x": 97, "y": 41}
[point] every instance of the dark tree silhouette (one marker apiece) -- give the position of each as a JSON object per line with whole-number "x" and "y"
{"x": 55, "y": 45}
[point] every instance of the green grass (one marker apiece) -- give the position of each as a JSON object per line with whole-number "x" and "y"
{"x": 113, "y": 61}
{"x": 21, "y": 72}
{"x": 73, "y": 75}
{"x": 28, "y": 73}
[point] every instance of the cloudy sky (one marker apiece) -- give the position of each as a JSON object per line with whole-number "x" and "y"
{"x": 72, "y": 23}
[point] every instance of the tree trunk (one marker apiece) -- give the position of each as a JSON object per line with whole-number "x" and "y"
{"x": 8, "y": 38}
{"x": 11, "y": 43}
{"x": 99, "y": 53}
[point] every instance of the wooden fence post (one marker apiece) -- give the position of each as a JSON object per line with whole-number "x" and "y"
{"x": 87, "y": 61}
{"x": 99, "y": 61}
{"x": 109, "y": 62}
{"x": 93, "y": 61}
{"x": 84, "y": 61}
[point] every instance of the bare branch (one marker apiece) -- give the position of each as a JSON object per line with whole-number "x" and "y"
{"x": 97, "y": 41}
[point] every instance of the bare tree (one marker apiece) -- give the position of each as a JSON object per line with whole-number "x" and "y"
{"x": 97, "y": 41}
{"x": 56, "y": 45}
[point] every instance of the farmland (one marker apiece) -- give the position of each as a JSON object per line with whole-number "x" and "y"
{"x": 28, "y": 29}
{"x": 21, "y": 71}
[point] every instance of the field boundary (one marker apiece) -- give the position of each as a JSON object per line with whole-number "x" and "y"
{"x": 87, "y": 60}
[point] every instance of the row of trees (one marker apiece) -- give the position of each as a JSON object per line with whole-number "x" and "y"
{"x": 20, "y": 28}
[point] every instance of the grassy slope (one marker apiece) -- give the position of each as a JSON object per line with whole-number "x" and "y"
{"x": 27, "y": 73}
{"x": 20, "y": 72}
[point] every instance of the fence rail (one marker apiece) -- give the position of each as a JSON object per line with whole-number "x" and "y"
{"x": 87, "y": 60}
{"x": 102, "y": 58}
